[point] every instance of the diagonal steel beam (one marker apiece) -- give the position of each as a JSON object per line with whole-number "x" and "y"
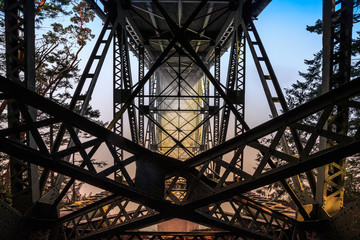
{"x": 156, "y": 65}
{"x": 285, "y": 119}
{"x": 37, "y": 157}
{"x": 183, "y": 41}
{"x": 28, "y": 154}
{"x": 115, "y": 214}
{"x": 82, "y": 123}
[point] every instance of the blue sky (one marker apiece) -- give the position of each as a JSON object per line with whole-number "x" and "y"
{"x": 282, "y": 28}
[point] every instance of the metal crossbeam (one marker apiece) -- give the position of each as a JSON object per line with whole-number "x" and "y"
{"x": 345, "y": 149}
{"x": 109, "y": 214}
{"x": 337, "y": 44}
{"x": 141, "y": 98}
{"x": 81, "y": 98}
{"x": 286, "y": 119}
{"x": 186, "y": 164}
{"x": 244, "y": 212}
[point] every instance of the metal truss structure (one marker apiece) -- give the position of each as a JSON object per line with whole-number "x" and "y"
{"x": 186, "y": 151}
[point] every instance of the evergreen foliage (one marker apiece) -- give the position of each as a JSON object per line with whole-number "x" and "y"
{"x": 58, "y": 46}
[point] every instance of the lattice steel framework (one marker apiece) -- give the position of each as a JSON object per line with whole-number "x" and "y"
{"x": 118, "y": 94}
{"x": 181, "y": 118}
{"x": 20, "y": 46}
{"x": 338, "y": 18}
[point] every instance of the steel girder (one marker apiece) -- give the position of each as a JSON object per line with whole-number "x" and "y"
{"x": 204, "y": 198}
{"x": 217, "y": 97}
{"x": 348, "y": 146}
{"x": 111, "y": 213}
{"x": 269, "y": 80}
{"x": 337, "y": 42}
{"x": 185, "y": 43}
{"x": 141, "y": 98}
{"x": 81, "y": 98}
{"x": 20, "y": 48}
{"x": 118, "y": 92}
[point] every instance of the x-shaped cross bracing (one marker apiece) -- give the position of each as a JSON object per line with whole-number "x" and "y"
{"x": 205, "y": 197}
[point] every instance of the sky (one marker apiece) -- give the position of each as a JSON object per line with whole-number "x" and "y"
{"x": 282, "y": 28}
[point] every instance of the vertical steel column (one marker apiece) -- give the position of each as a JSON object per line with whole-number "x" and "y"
{"x": 81, "y": 97}
{"x": 157, "y": 105}
{"x": 118, "y": 94}
{"x": 205, "y": 127}
{"x": 151, "y": 128}
{"x": 216, "y": 96}
{"x": 153, "y": 91}
{"x": 240, "y": 88}
{"x": 337, "y": 39}
{"x": 199, "y": 118}
{"x": 216, "y": 133}
{"x": 141, "y": 97}
{"x": 20, "y": 67}
{"x": 234, "y": 88}
{"x": 231, "y": 79}
{"x": 127, "y": 80}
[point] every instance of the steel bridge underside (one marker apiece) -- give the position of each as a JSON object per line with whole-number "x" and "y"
{"x": 178, "y": 138}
